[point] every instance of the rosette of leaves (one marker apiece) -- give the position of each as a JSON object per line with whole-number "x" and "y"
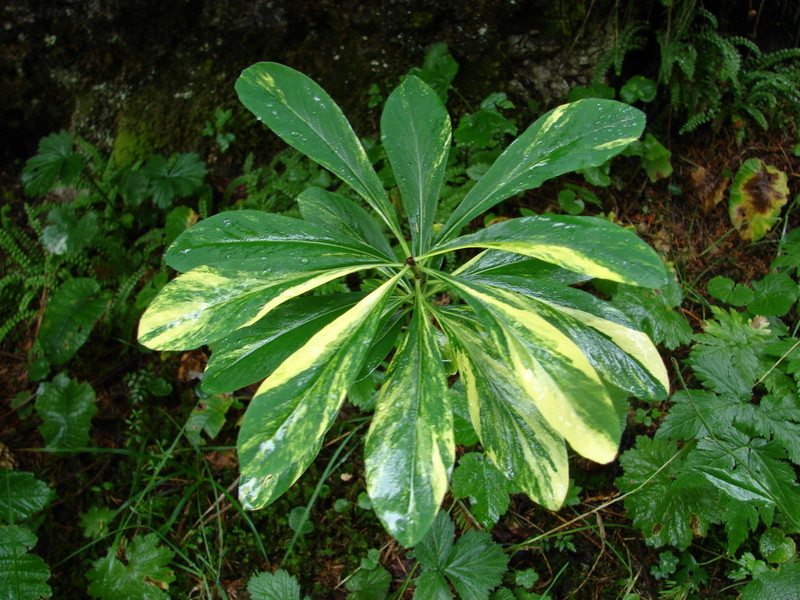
{"x": 540, "y": 361}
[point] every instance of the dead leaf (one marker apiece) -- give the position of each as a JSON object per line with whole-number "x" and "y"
{"x": 758, "y": 193}
{"x": 708, "y": 188}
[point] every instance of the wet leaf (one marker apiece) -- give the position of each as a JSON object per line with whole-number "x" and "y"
{"x": 758, "y": 193}
{"x": 66, "y": 408}
{"x": 22, "y": 575}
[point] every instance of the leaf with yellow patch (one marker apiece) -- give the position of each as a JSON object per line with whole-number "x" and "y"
{"x": 758, "y": 193}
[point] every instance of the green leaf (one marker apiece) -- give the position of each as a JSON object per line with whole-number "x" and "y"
{"x": 550, "y": 368}
{"x": 259, "y": 238}
{"x": 758, "y": 193}
{"x": 672, "y": 505}
{"x": 369, "y": 585}
{"x": 570, "y": 137}
{"x": 409, "y": 450}
{"x": 273, "y": 586}
{"x": 623, "y": 356}
{"x": 723, "y": 288}
{"x": 432, "y": 585}
{"x": 178, "y": 177}
{"x": 513, "y": 432}
{"x": 207, "y": 303}
{"x": 299, "y": 520}
{"x": 655, "y": 159}
{"x": 586, "y": 245}
{"x": 474, "y": 565}
{"x": 342, "y": 216}
{"x": 146, "y": 575}
{"x": 70, "y": 315}
{"x": 21, "y": 495}
{"x": 492, "y": 264}
{"x": 783, "y": 583}
{"x": 638, "y": 88}
{"x": 66, "y": 408}
{"x": 693, "y": 412}
{"x": 438, "y": 69}
{"x": 95, "y": 521}
{"x": 653, "y": 312}
{"x": 479, "y": 480}
{"x": 208, "y": 416}
{"x": 776, "y": 546}
{"x": 415, "y": 129}
{"x": 55, "y": 162}
{"x": 23, "y": 576}
{"x": 302, "y": 114}
{"x": 296, "y": 405}
{"x": 67, "y": 233}
{"x": 773, "y": 295}
{"x": 253, "y": 352}
{"x": 178, "y": 220}
{"x": 727, "y": 357}
{"x": 258, "y": 493}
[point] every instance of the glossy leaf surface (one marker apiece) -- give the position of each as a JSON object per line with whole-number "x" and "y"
{"x": 409, "y": 450}
{"x": 305, "y": 117}
{"x": 550, "y": 368}
{"x": 514, "y": 434}
{"x": 416, "y": 133}
{"x": 207, "y": 303}
{"x": 586, "y": 245}
{"x": 296, "y": 405}
{"x": 264, "y": 239}
{"x": 251, "y": 353}
{"x": 341, "y": 215}
{"x": 66, "y": 408}
{"x": 570, "y": 137}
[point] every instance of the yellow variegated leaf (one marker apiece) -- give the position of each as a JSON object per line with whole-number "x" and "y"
{"x": 296, "y": 405}
{"x": 259, "y": 491}
{"x": 551, "y": 369}
{"x": 207, "y": 303}
{"x": 409, "y": 450}
{"x": 511, "y": 429}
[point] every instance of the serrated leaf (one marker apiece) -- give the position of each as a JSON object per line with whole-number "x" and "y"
{"x": 776, "y": 547}
{"x": 146, "y": 575}
{"x": 474, "y": 564}
{"x": 67, "y": 233}
{"x": 671, "y": 507}
{"x": 178, "y": 177}
{"x": 758, "y": 193}
{"x": 296, "y": 405}
{"x": 66, "y": 408}
{"x": 723, "y": 288}
{"x": 432, "y": 585}
{"x": 409, "y": 450}
{"x": 727, "y": 357}
{"x": 23, "y": 576}
{"x": 370, "y": 584}
{"x": 570, "y": 137}
{"x": 478, "y": 479}
{"x": 778, "y": 417}
{"x": 208, "y": 416}
{"x": 740, "y": 519}
{"x": 693, "y": 412}
{"x": 22, "y": 495}
{"x": 70, "y": 315}
{"x": 586, "y": 245}
{"x": 773, "y": 295}
{"x": 783, "y": 583}
{"x": 94, "y": 521}
{"x": 54, "y": 162}
{"x": 273, "y": 586}
{"x": 415, "y": 129}
{"x": 302, "y": 114}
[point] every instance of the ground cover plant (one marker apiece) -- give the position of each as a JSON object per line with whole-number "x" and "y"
{"x": 119, "y": 480}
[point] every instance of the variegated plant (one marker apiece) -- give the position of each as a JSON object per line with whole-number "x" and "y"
{"x": 541, "y": 362}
